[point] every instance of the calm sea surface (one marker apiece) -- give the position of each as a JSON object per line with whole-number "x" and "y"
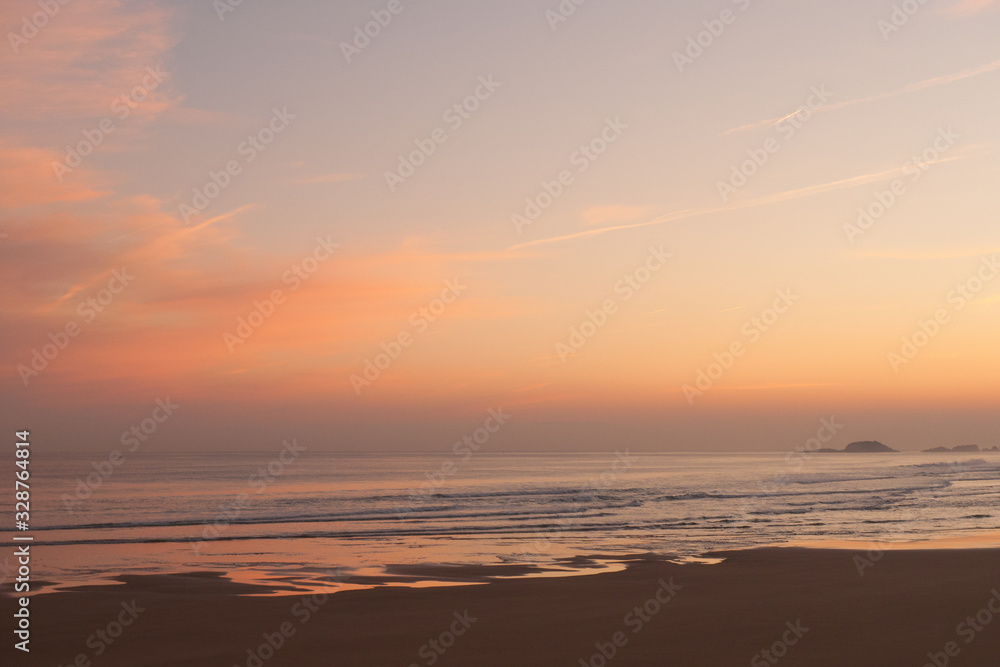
{"x": 253, "y": 513}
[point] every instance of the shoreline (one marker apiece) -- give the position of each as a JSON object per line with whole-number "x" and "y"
{"x": 433, "y": 574}
{"x": 901, "y": 607}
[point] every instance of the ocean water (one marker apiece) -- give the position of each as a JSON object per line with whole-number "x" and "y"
{"x": 252, "y": 513}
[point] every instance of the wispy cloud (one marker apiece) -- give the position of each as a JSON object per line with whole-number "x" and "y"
{"x": 905, "y": 90}
{"x": 219, "y": 218}
{"x": 776, "y": 198}
{"x": 88, "y": 54}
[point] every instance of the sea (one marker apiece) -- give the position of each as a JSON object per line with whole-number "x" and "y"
{"x": 266, "y": 517}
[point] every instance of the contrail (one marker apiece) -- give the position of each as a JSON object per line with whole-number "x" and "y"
{"x": 912, "y": 88}
{"x": 759, "y": 201}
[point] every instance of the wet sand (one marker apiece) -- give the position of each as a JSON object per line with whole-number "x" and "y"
{"x": 807, "y": 607}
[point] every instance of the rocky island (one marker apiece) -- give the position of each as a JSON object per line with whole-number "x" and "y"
{"x": 861, "y": 447}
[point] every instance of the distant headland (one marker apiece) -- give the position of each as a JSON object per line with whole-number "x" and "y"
{"x": 963, "y": 448}
{"x": 861, "y": 447}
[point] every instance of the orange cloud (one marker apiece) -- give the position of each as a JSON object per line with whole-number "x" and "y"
{"x": 86, "y": 55}
{"x": 29, "y": 179}
{"x": 150, "y": 299}
{"x": 970, "y": 7}
{"x": 185, "y": 290}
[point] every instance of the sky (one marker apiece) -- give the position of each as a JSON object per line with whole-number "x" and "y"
{"x": 633, "y": 224}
